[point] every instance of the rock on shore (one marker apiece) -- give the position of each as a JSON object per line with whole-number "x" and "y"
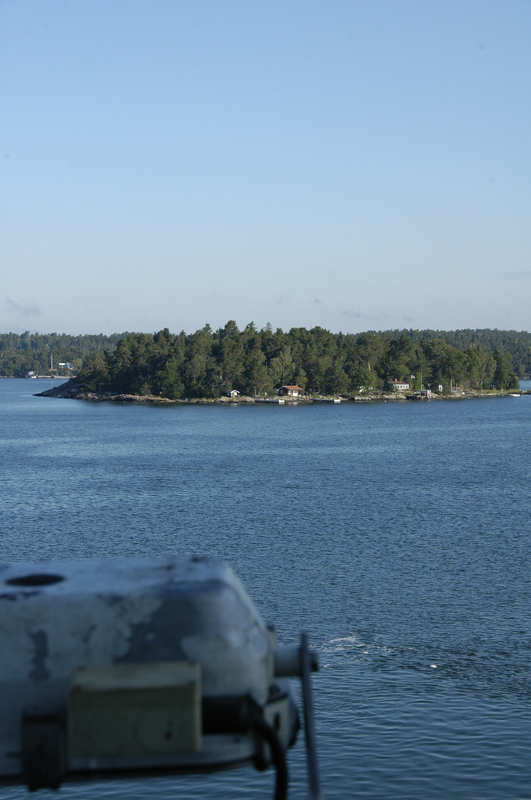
{"x": 77, "y": 391}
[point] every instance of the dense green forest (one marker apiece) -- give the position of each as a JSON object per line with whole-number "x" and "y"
{"x": 516, "y": 343}
{"x": 20, "y": 354}
{"x": 209, "y": 363}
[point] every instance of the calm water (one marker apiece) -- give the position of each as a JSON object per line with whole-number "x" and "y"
{"x": 396, "y": 535}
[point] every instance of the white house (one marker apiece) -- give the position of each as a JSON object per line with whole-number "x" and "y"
{"x": 400, "y": 386}
{"x": 233, "y": 393}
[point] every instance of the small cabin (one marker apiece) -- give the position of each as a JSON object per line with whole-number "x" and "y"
{"x": 290, "y": 391}
{"x": 233, "y": 393}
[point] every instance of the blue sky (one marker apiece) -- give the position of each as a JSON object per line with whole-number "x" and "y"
{"x": 354, "y": 165}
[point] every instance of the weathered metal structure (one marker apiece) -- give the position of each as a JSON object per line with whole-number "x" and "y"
{"x": 128, "y": 667}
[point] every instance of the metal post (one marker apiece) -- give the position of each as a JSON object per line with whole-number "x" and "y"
{"x": 309, "y": 728}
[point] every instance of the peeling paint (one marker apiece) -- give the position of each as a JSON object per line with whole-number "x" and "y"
{"x": 126, "y": 611}
{"x": 73, "y": 638}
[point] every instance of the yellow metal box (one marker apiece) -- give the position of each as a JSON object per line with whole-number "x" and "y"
{"x": 133, "y": 709}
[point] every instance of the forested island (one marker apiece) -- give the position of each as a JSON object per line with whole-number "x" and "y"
{"x": 208, "y": 364}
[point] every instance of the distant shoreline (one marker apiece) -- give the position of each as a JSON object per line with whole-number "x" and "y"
{"x": 73, "y": 392}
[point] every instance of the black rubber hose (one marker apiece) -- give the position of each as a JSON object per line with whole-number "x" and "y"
{"x": 278, "y": 757}
{"x": 242, "y": 713}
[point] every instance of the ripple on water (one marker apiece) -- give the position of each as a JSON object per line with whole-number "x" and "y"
{"x": 396, "y": 536}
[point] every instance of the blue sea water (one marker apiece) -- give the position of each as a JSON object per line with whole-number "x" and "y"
{"x": 396, "y": 534}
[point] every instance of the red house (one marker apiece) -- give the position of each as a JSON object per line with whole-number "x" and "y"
{"x": 291, "y": 391}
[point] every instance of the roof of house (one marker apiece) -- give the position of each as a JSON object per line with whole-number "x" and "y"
{"x": 288, "y": 386}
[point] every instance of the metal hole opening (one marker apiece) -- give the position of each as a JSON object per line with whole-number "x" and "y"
{"x": 37, "y": 579}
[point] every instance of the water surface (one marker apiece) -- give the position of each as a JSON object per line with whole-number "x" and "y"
{"x": 396, "y": 535}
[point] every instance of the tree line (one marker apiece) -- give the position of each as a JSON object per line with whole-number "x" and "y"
{"x": 210, "y": 363}
{"x": 35, "y": 352}
{"x": 516, "y": 343}
{"x": 20, "y": 353}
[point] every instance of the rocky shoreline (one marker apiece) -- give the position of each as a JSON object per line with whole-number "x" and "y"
{"x": 73, "y": 391}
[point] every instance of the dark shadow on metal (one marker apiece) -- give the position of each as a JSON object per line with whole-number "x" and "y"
{"x": 244, "y": 715}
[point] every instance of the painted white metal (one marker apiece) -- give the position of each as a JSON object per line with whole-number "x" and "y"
{"x": 58, "y": 617}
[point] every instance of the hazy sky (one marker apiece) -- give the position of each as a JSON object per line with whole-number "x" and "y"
{"x": 355, "y": 165}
